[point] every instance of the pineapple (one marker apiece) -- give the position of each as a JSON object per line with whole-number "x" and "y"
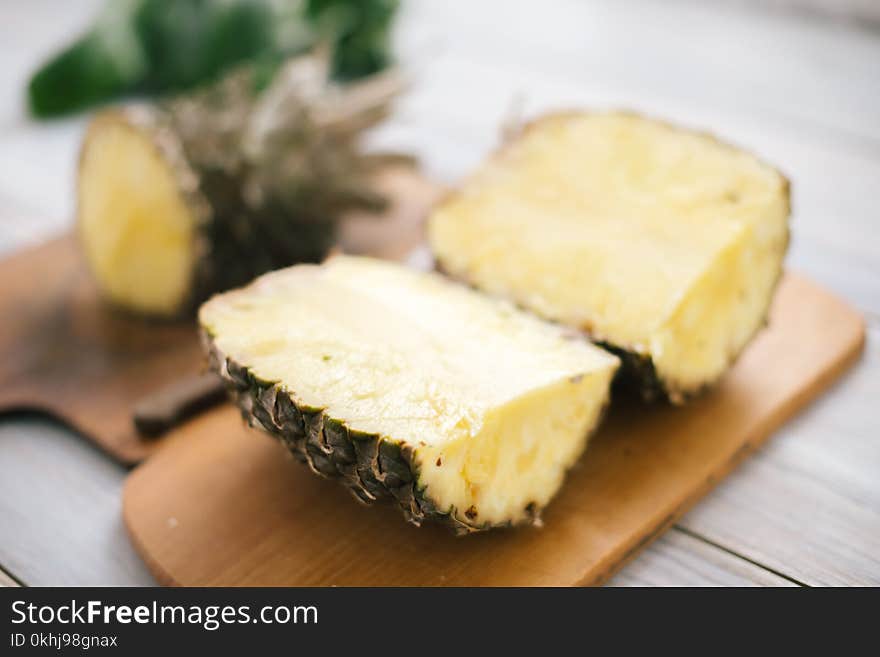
{"x": 407, "y": 386}
{"x": 662, "y": 244}
{"x": 139, "y": 214}
{"x": 182, "y": 200}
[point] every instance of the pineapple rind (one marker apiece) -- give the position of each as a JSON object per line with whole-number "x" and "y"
{"x": 370, "y": 466}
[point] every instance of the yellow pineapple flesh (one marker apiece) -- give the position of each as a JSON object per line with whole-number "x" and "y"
{"x": 136, "y": 228}
{"x": 661, "y": 243}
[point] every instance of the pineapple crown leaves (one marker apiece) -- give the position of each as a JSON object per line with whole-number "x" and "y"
{"x": 290, "y": 152}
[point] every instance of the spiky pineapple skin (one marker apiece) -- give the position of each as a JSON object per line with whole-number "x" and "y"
{"x": 218, "y": 260}
{"x": 371, "y": 467}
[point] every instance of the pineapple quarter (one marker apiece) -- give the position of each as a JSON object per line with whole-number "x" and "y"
{"x": 663, "y": 244}
{"x": 136, "y": 229}
{"x": 410, "y": 386}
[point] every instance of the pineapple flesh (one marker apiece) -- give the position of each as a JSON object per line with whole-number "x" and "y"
{"x": 662, "y": 244}
{"x": 406, "y": 385}
{"x": 136, "y": 227}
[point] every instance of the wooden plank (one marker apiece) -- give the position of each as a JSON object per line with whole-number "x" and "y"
{"x": 6, "y": 580}
{"x": 808, "y": 504}
{"x": 20, "y": 226}
{"x": 679, "y": 559}
{"x": 30, "y": 32}
{"x": 37, "y": 160}
{"x": 38, "y": 168}
{"x": 820, "y": 76}
{"x": 219, "y": 505}
{"x": 60, "y": 510}
{"x": 865, "y": 12}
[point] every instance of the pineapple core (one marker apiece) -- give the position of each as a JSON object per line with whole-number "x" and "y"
{"x": 654, "y": 240}
{"x": 135, "y": 227}
{"x": 495, "y": 403}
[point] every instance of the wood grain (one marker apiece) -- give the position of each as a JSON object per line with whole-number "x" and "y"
{"x": 65, "y": 353}
{"x": 6, "y": 580}
{"x": 222, "y": 506}
{"x": 809, "y": 506}
{"x": 680, "y": 559}
{"x": 60, "y": 504}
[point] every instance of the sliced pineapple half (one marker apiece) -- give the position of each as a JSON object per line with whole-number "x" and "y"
{"x": 663, "y": 244}
{"x": 408, "y": 386}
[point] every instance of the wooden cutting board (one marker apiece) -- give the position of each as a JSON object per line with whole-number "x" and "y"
{"x": 65, "y": 353}
{"x": 225, "y": 505}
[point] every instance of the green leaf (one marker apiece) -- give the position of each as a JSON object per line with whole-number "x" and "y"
{"x": 161, "y": 46}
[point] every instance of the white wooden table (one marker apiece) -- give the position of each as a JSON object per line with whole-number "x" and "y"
{"x": 801, "y": 90}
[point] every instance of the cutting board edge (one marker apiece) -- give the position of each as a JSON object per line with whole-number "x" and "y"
{"x": 126, "y": 453}
{"x": 163, "y": 577}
